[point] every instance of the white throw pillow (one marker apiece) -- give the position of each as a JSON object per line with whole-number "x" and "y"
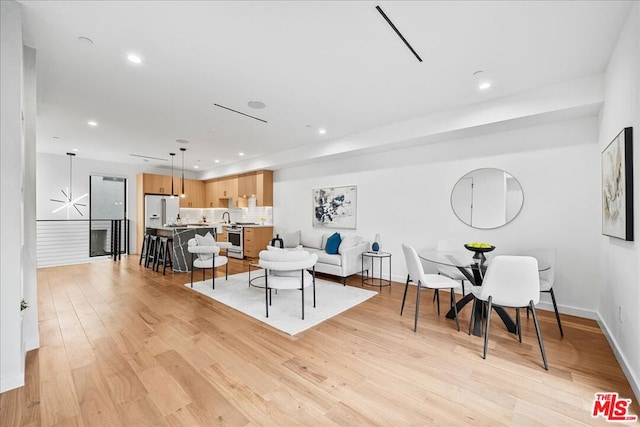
{"x": 309, "y": 239}
{"x": 206, "y": 240}
{"x": 291, "y": 240}
{"x": 349, "y": 241}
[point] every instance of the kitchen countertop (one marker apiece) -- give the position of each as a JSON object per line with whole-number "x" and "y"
{"x": 181, "y": 227}
{"x": 249, "y": 225}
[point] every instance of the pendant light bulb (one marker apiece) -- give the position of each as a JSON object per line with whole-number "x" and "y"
{"x": 172, "y": 192}
{"x": 183, "y": 150}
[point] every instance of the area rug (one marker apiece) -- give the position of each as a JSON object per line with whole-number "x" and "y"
{"x": 285, "y": 310}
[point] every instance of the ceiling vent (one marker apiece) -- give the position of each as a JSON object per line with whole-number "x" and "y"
{"x": 386, "y": 18}
{"x": 241, "y": 113}
{"x": 148, "y": 157}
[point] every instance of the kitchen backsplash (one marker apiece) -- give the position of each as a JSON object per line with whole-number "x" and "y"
{"x": 253, "y": 214}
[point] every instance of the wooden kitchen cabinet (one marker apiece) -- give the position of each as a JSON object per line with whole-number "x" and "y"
{"x": 264, "y": 188}
{"x": 156, "y": 184}
{"x": 255, "y": 240}
{"x": 247, "y": 184}
{"x": 211, "y": 190}
{"x": 228, "y": 188}
{"x": 193, "y": 190}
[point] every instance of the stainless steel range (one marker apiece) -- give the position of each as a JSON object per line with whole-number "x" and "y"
{"x": 235, "y": 237}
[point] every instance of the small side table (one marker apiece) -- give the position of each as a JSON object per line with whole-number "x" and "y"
{"x": 252, "y": 279}
{"x": 371, "y": 281}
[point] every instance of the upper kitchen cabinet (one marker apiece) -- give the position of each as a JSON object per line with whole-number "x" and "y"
{"x": 211, "y": 190}
{"x": 228, "y": 188}
{"x": 194, "y": 192}
{"x": 247, "y": 185}
{"x": 264, "y": 188}
{"x": 156, "y": 184}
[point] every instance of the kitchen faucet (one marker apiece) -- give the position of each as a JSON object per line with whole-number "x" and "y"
{"x": 228, "y": 217}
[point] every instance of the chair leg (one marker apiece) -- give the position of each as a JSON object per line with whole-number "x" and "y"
{"x": 463, "y": 292}
{"x": 415, "y": 322}
{"x": 192, "y": 270}
{"x": 266, "y": 294}
{"x": 404, "y": 297}
{"x": 438, "y": 299}
{"x": 518, "y": 324}
{"x": 555, "y": 307}
{"x": 314, "y": 286}
{"x": 472, "y": 318}
{"x": 302, "y": 281}
{"x": 226, "y": 271}
{"x": 486, "y": 333}
{"x": 213, "y": 273}
{"x": 539, "y": 333}
{"x": 455, "y": 308}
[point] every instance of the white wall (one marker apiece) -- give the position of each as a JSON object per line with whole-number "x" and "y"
{"x": 619, "y": 295}
{"x": 17, "y": 270}
{"x": 405, "y": 196}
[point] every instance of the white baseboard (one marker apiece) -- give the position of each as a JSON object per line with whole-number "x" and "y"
{"x": 566, "y": 309}
{"x": 633, "y": 381}
{"x": 11, "y": 381}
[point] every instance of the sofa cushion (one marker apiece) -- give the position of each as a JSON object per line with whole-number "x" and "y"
{"x": 349, "y": 241}
{"x": 206, "y": 240}
{"x": 333, "y": 243}
{"x": 309, "y": 239}
{"x": 291, "y": 240}
{"x": 325, "y": 258}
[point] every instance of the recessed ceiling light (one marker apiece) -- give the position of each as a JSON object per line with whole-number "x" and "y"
{"x": 86, "y": 41}
{"x": 217, "y": 161}
{"x": 240, "y": 154}
{"x": 322, "y": 131}
{"x": 74, "y": 149}
{"x": 484, "y": 85}
{"x": 258, "y": 105}
{"x": 182, "y": 141}
{"x": 132, "y": 57}
{"x": 92, "y": 123}
{"x": 196, "y": 167}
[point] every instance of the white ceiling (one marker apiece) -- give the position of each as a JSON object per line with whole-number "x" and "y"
{"x": 327, "y": 64}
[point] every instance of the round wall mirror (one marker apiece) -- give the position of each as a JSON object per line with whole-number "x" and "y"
{"x": 487, "y": 198}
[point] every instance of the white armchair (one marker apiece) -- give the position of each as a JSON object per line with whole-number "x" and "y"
{"x": 288, "y": 270}
{"x": 205, "y": 253}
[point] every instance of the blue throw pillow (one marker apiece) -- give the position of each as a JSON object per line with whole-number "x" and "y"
{"x": 333, "y": 243}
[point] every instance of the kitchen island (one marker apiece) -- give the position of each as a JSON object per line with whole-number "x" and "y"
{"x": 181, "y": 258}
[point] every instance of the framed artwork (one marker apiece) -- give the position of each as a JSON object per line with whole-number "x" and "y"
{"x": 335, "y": 207}
{"x": 617, "y": 187}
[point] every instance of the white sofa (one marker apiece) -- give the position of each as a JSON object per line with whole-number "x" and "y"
{"x": 346, "y": 262}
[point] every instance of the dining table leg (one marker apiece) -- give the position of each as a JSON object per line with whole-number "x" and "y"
{"x": 477, "y": 328}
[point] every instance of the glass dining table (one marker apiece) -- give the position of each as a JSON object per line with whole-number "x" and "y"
{"x": 473, "y": 268}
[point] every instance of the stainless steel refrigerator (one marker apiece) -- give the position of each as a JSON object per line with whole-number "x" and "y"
{"x": 160, "y": 210}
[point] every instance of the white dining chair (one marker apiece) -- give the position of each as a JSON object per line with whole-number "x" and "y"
{"x": 425, "y": 281}
{"x": 287, "y": 270}
{"x": 510, "y": 281}
{"x": 547, "y": 256}
{"x": 205, "y": 253}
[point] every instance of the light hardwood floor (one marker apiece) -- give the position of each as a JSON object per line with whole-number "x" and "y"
{"x": 122, "y": 345}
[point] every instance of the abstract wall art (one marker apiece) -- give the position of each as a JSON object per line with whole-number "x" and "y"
{"x": 617, "y": 187}
{"x": 335, "y": 207}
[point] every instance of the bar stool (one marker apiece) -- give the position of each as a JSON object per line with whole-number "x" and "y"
{"x": 152, "y": 253}
{"x": 164, "y": 255}
{"x": 145, "y": 249}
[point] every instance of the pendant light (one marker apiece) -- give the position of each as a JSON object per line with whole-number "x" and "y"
{"x": 172, "y": 192}
{"x": 183, "y": 150}
{"x": 69, "y": 201}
